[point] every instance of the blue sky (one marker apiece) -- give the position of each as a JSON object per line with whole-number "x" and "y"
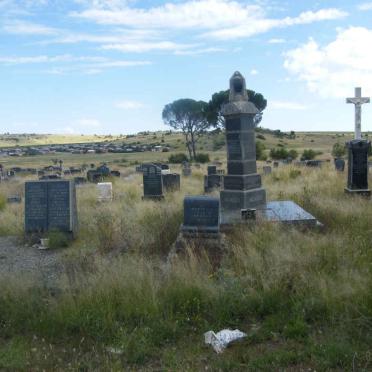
{"x": 110, "y": 66}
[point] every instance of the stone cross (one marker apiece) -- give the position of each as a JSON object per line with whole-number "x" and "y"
{"x": 358, "y": 101}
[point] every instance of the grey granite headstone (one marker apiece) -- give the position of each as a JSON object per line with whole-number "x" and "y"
{"x": 358, "y": 167}
{"x": 242, "y": 184}
{"x": 152, "y": 182}
{"x": 339, "y": 164}
{"x": 50, "y": 205}
{"x": 186, "y": 169}
{"x": 212, "y": 182}
{"x": 171, "y": 182}
{"x": 201, "y": 214}
{"x": 267, "y": 170}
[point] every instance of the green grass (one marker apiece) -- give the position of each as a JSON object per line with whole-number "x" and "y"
{"x": 303, "y": 297}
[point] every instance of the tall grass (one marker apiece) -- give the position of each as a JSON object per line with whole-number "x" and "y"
{"x": 309, "y": 293}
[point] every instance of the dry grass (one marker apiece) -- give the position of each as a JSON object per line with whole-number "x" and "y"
{"x": 304, "y": 297}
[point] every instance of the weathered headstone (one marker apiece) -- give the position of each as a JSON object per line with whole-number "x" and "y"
{"x": 186, "y": 169}
{"x": 152, "y": 182}
{"x": 212, "y": 182}
{"x": 105, "y": 193}
{"x": 357, "y": 182}
{"x": 267, "y": 170}
{"x": 242, "y": 184}
{"x": 14, "y": 199}
{"x": 339, "y": 164}
{"x": 171, "y": 182}
{"x": 50, "y": 205}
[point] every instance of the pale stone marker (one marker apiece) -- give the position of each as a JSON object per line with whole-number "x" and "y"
{"x": 105, "y": 193}
{"x": 358, "y": 101}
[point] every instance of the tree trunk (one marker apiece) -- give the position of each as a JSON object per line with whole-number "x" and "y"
{"x": 193, "y": 145}
{"x": 188, "y": 146}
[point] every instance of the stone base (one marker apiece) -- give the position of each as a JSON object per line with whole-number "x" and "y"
{"x": 233, "y": 201}
{"x": 366, "y": 193}
{"x": 211, "y": 245}
{"x": 153, "y": 197}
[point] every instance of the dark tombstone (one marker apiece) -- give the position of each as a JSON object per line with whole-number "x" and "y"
{"x": 314, "y": 163}
{"x": 357, "y": 182}
{"x": 115, "y": 173}
{"x": 80, "y": 180}
{"x": 276, "y": 164}
{"x": 104, "y": 170}
{"x": 212, "y": 182}
{"x": 201, "y": 214}
{"x": 50, "y": 177}
{"x": 94, "y": 176}
{"x": 212, "y": 169}
{"x": 14, "y": 199}
{"x": 49, "y": 206}
{"x": 171, "y": 182}
{"x": 339, "y": 164}
{"x": 242, "y": 184}
{"x": 152, "y": 182}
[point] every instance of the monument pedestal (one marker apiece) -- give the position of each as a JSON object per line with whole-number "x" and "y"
{"x": 357, "y": 182}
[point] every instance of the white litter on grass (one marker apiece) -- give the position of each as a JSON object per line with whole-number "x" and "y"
{"x": 222, "y": 339}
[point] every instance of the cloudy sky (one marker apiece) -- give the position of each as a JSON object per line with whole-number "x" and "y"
{"x": 110, "y": 66}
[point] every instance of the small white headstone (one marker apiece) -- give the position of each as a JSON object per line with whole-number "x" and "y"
{"x": 165, "y": 171}
{"x": 104, "y": 191}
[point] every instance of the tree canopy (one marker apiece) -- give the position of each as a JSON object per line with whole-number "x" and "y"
{"x": 214, "y": 113}
{"x": 190, "y": 117}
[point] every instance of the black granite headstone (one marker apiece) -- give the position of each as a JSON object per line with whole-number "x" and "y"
{"x": 358, "y": 167}
{"x": 201, "y": 214}
{"x": 152, "y": 182}
{"x": 50, "y": 205}
{"x": 212, "y": 169}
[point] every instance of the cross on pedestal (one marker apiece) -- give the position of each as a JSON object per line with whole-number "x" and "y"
{"x": 358, "y": 101}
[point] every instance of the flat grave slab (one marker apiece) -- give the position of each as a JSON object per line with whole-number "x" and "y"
{"x": 288, "y": 212}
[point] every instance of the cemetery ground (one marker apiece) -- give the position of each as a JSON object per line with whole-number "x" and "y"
{"x": 304, "y": 297}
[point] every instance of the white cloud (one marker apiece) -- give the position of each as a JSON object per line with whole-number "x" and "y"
{"x": 88, "y": 123}
{"x": 27, "y": 28}
{"x": 195, "y": 52}
{"x": 129, "y": 105}
{"x": 334, "y": 69}
{"x": 141, "y": 47}
{"x": 215, "y": 16}
{"x": 253, "y": 72}
{"x": 276, "y": 41}
{"x": 365, "y": 6}
{"x": 287, "y": 105}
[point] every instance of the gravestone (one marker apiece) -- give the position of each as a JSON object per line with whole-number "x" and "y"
{"x": 115, "y": 173}
{"x": 212, "y": 182}
{"x": 171, "y": 182}
{"x": 186, "y": 169}
{"x": 276, "y": 164}
{"x": 104, "y": 191}
{"x": 152, "y": 182}
{"x": 50, "y": 205}
{"x": 314, "y": 163}
{"x": 14, "y": 199}
{"x": 339, "y": 164}
{"x": 267, "y": 170}
{"x": 242, "y": 184}
{"x": 201, "y": 214}
{"x": 357, "y": 182}
{"x": 200, "y": 231}
{"x": 212, "y": 169}
{"x": 80, "y": 180}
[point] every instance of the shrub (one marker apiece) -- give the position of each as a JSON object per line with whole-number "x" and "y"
{"x": 260, "y": 151}
{"x": 308, "y": 154}
{"x": 293, "y": 154}
{"x": 177, "y": 158}
{"x": 202, "y": 158}
{"x": 338, "y": 150}
{"x": 261, "y": 137}
{"x": 279, "y": 153}
{"x": 58, "y": 239}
